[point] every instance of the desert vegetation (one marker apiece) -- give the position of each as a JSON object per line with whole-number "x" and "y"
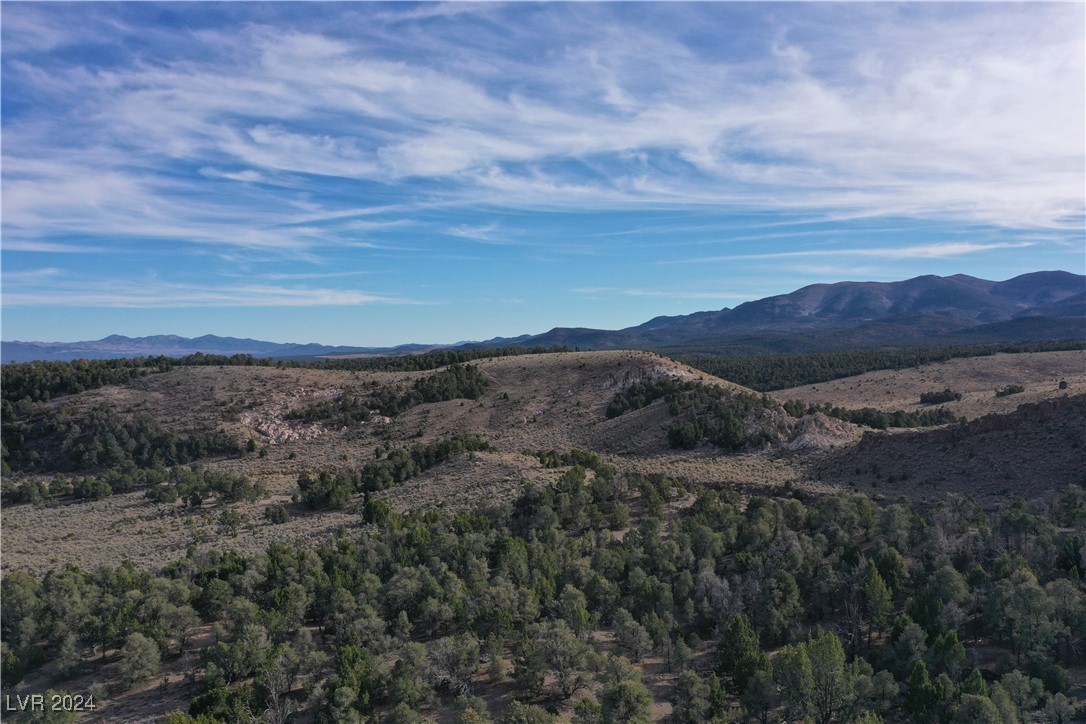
{"x": 460, "y": 560}
{"x": 974, "y": 378}
{"x": 934, "y": 398}
{"x": 833, "y": 608}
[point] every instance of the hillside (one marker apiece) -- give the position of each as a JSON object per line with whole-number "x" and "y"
{"x": 994, "y": 459}
{"x": 502, "y": 512}
{"x": 958, "y": 306}
{"x": 977, "y": 379}
{"x": 531, "y": 403}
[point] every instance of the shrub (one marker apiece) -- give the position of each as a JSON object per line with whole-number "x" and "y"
{"x": 277, "y": 514}
{"x": 934, "y": 398}
{"x": 140, "y": 658}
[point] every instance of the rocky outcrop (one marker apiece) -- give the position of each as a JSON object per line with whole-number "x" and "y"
{"x": 818, "y": 432}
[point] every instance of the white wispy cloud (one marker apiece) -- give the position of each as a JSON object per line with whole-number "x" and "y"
{"x": 961, "y": 113}
{"x": 50, "y": 247}
{"x": 156, "y": 294}
{"x": 247, "y": 175}
{"x": 838, "y": 272}
{"x": 668, "y": 294}
{"x": 30, "y": 275}
{"x": 313, "y": 275}
{"x": 940, "y": 250}
{"x": 484, "y": 233}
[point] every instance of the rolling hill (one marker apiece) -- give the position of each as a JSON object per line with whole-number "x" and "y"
{"x": 106, "y": 493}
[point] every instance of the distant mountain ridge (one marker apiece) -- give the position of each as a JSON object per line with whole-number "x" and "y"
{"x": 954, "y": 309}
{"x": 118, "y": 346}
{"x": 959, "y": 299}
{"x": 948, "y": 305}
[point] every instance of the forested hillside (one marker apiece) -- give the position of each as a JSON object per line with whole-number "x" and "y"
{"x": 830, "y": 608}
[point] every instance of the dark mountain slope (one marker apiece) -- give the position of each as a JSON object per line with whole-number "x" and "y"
{"x": 886, "y": 312}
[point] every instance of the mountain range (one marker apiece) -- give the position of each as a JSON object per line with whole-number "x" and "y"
{"x": 117, "y": 346}
{"x": 961, "y": 308}
{"x": 923, "y": 310}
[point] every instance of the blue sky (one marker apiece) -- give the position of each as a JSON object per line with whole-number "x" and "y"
{"x": 382, "y": 173}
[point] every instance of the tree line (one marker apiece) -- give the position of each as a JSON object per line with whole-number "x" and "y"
{"x": 936, "y": 398}
{"x": 710, "y": 413}
{"x": 874, "y": 418}
{"x": 458, "y": 381}
{"x": 768, "y": 372}
{"x": 71, "y": 440}
{"x": 193, "y": 485}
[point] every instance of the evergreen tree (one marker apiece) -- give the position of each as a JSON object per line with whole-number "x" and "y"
{"x": 690, "y": 698}
{"x": 521, "y": 713}
{"x": 626, "y": 702}
{"x": 877, "y": 599}
{"x": 831, "y": 686}
{"x": 739, "y": 653}
{"x": 950, "y": 655}
{"x": 794, "y": 677}
{"x": 920, "y": 694}
{"x": 140, "y": 658}
{"x": 975, "y": 709}
{"x": 760, "y": 696}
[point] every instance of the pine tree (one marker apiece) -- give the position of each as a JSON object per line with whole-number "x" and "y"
{"x": 739, "y": 653}
{"x": 831, "y": 686}
{"x": 878, "y": 600}
{"x": 690, "y": 698}
{"x": 919, "y": 693}
{"x": 793, "y": 676}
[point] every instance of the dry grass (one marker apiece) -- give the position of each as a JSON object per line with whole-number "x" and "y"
{"x": 977, "y": 378}
{"x": 129, "y": 527}
{"x": 464, "y": 482}
{"x": 993, "y": 459}
{"x": 533, "y": 403}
